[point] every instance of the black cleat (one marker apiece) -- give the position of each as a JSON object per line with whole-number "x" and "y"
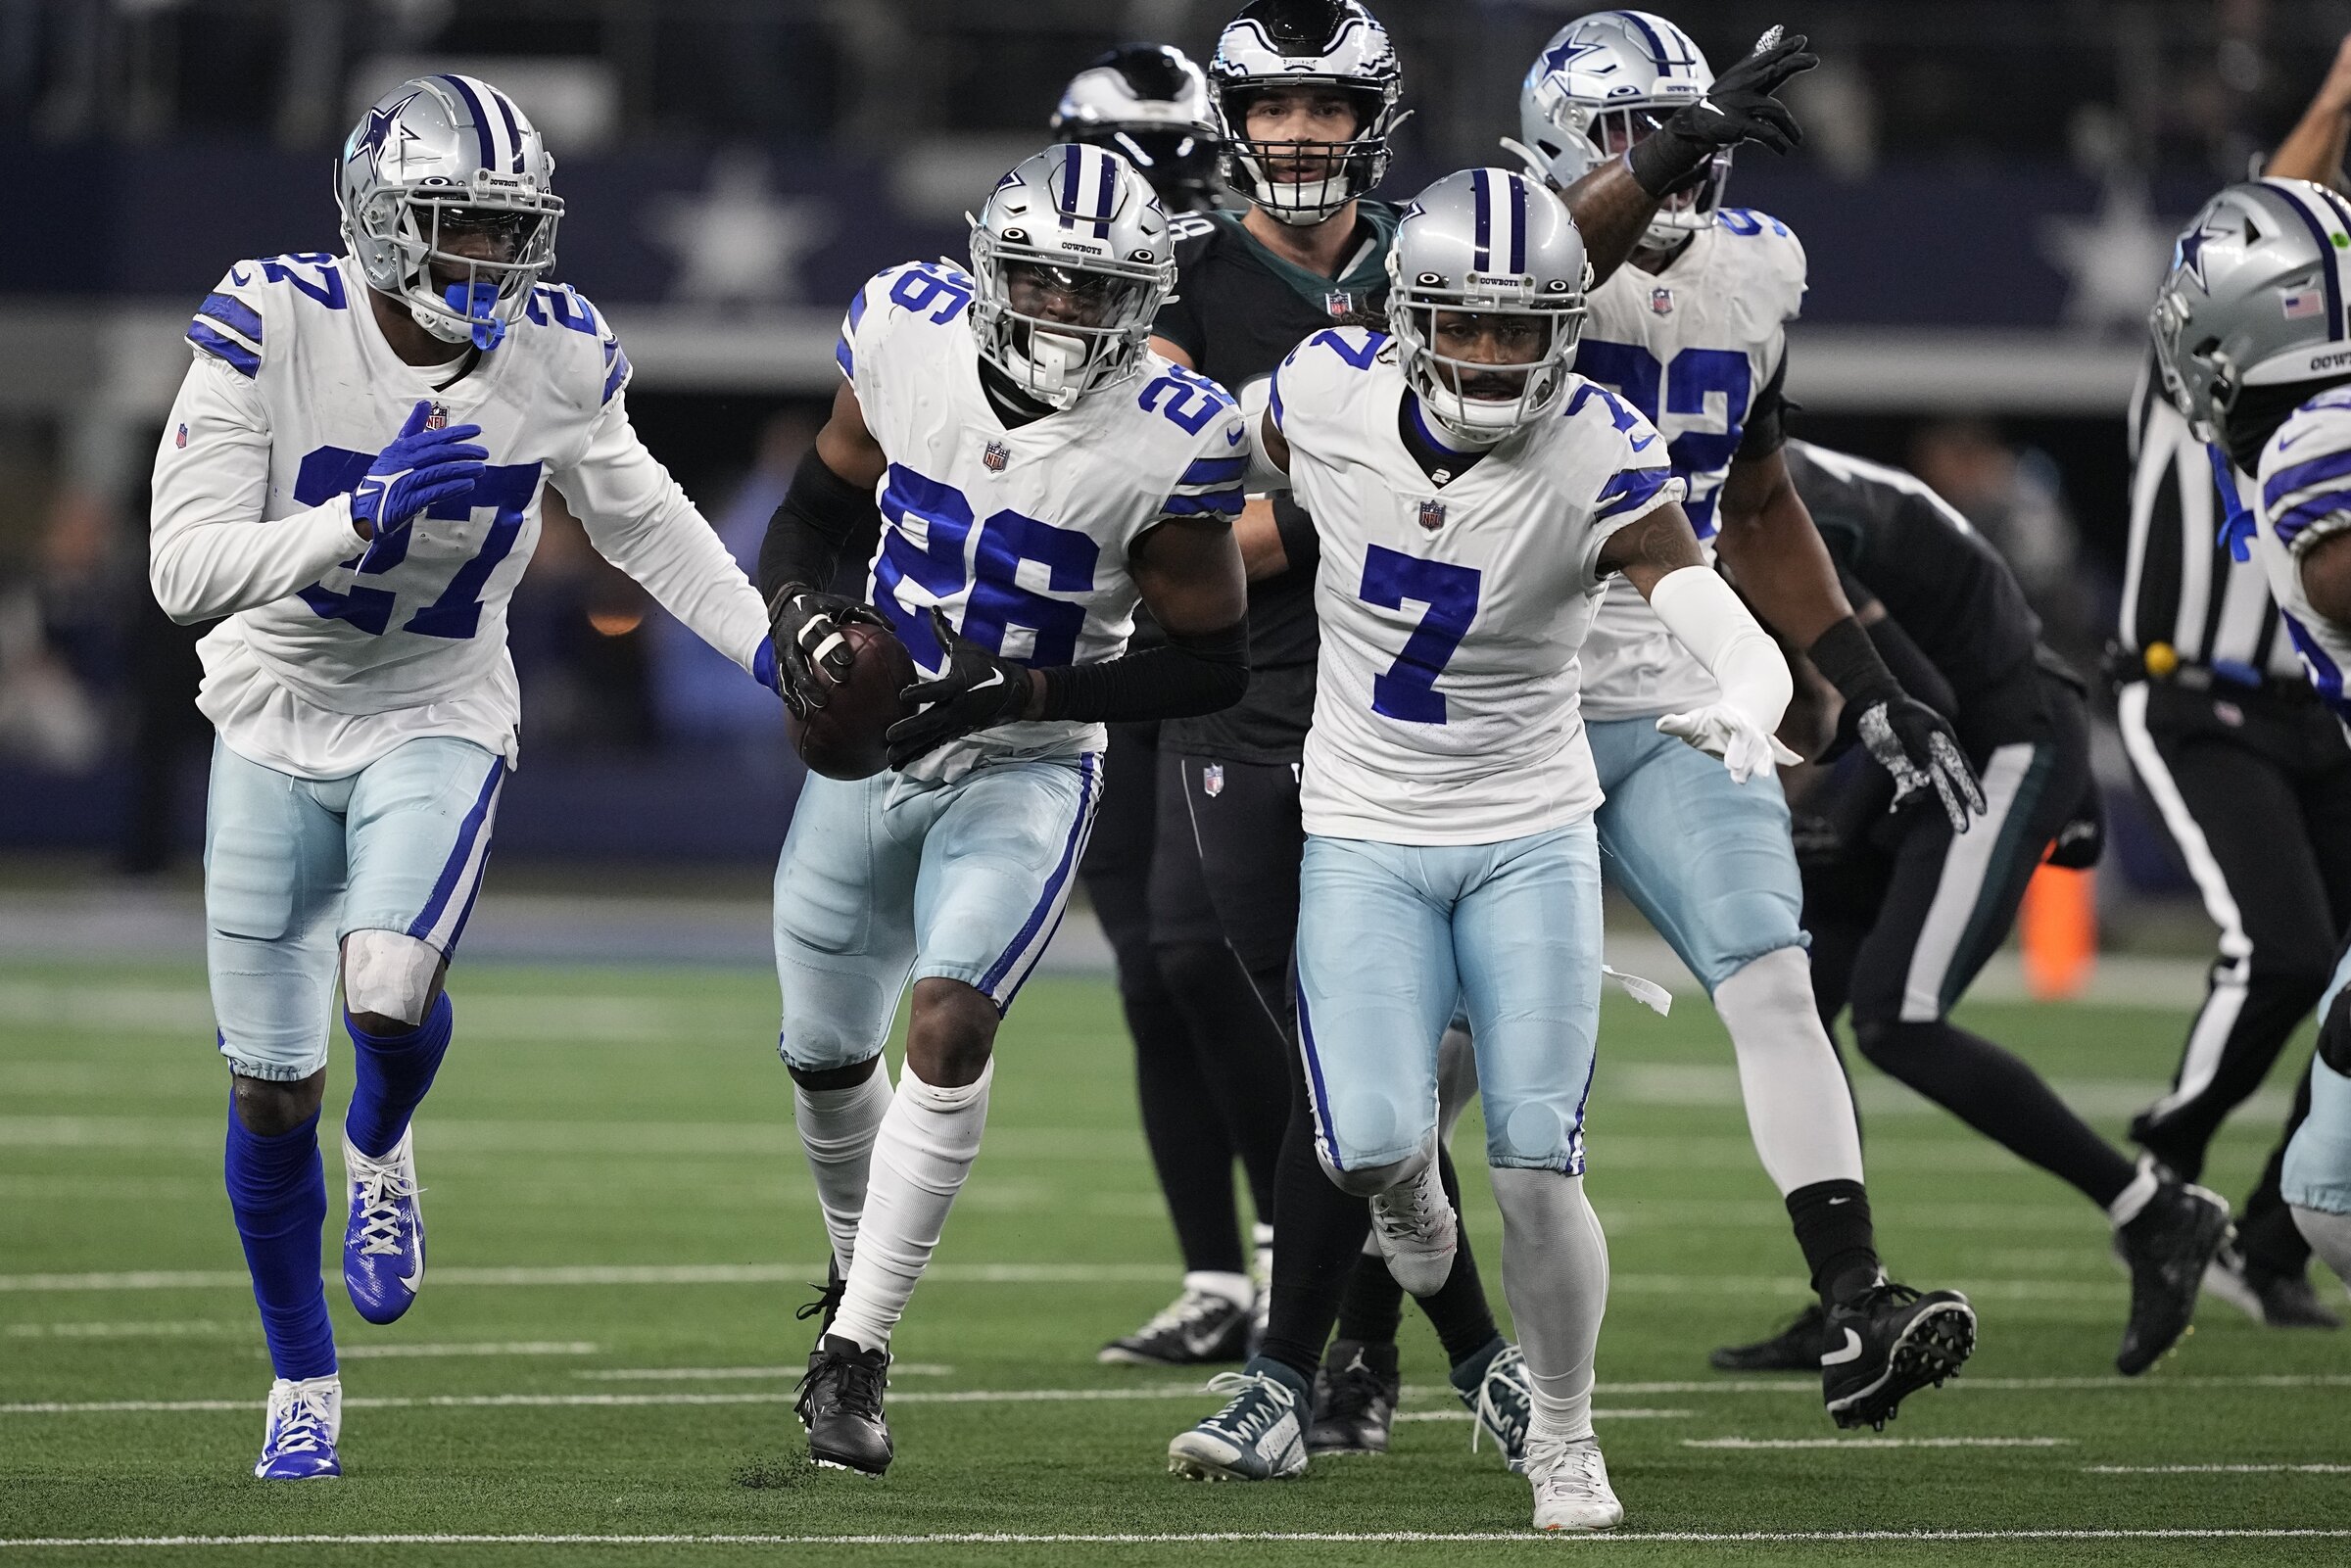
{"x": 1887, "y": 1343}
{"x": 2272, "y": 1300}
{"x": 1356, "y": 1389}
{"x": 1200, "y": 1327}
{"x": 1794, "y": 1348}
{"x": 827, "y": 1306}
{"x": 840, "y": 1405}
{"x": 2167, "y": 1246}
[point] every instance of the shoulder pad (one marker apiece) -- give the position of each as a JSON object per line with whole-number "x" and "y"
{"x": 1770, "y": 257}
{"x": 933, "y": 292}
{"x": 231, "y": 324}
{"x": 560, "y": 304}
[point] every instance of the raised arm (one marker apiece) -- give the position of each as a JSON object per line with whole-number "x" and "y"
{"x": 2314, "y": 149}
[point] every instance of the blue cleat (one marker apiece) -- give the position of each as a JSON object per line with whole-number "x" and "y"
{"x": 383, "y": 1245}
{"x": 305, "y": 1419}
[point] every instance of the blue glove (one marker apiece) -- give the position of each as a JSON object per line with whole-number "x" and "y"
{"x": 418, "y": 471}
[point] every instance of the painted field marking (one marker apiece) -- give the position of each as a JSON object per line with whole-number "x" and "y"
{"x": 1877, "y": 1443}
{"x": 1597, "y": 1415}
{"x": 489, "y": 1402}
{"x": 720, "y": 1374}
{"x": 2216, "y": 1469}
{"x": 1010, "y": 1539}
{"x": 163, "y": 1329}
{"x": 395, "y": 1352}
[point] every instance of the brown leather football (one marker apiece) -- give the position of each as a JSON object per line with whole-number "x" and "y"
{"x": 848, "y": 738}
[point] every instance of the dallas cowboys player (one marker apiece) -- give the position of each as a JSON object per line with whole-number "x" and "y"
{"x": 1692, "y": 334}
{"x": 1472, "y": 495}
{"x": 1038, "y": 471}
{"x": 352, "y": 475}
{"x": 2255, "y": 345}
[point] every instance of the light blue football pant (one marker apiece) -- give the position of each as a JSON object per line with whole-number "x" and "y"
{"x": 2317, "y": 1172}
{"x": 292, "y": 866}
{"x": 1392, "y": 937}
{"x": 1707, "y": 860}
{"x": 890, "y": 879}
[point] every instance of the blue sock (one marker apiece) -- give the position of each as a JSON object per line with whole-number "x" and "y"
{"x": 394, "y": 1072}
{"x": 277, "y": 1191}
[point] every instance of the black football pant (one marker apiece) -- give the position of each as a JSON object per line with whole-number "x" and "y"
{"x": 1207, "y": 1064}
{"x": 1250, "y": 844}
{"x": 1903, "y": 921}
{"x": 2255, "y": 787}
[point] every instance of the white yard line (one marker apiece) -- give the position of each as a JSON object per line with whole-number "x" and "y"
{"x": 396, "y": 1351}
{"x": 1877, "y": 1443}
{"x": 480, "y": 1401}
{"x": 1206, "y": 1538}
{"x": 163, "y": 1329}
{"x": 2216, "y": 1469}
{"x": 1597, "y": 1415}
{"x": 721, "y": 1374}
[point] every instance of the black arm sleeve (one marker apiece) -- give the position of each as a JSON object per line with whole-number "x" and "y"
{"x": 1301, "y": 545}
{"x": 1767, "y": 417}
{"x": 1911, "y": 666}
{"x": 821, "y": 513}
{"x": 1182, "y": 678}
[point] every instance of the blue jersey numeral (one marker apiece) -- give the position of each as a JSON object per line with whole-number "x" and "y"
{"x": 1359, "y": 354}
{"x": 999, "y": 601}
{"x": 332, "y": 471}
{"x": 1187, "y": 396}
{"x": 327, "y": 289}
{"x": 1409, "y": 689}
{"x": 919, "y": 289}
{"x": 1688, "y": 383}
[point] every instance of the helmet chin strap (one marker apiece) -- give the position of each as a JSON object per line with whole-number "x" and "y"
{"x": 1480, "y": 436}
{"x": 1056, "y": 365}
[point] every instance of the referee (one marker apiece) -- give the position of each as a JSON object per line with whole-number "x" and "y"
{"x": 2252, "y": 779}
{"x": 2253, "y": 782}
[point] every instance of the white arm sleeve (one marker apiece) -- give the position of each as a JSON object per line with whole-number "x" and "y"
{"x": 641, "y": 520}
{"x": 210, "y": 550}
{"x": 1710, "y": 620}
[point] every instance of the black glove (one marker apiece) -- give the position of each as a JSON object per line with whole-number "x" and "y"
{"x": 1914, "y": 744}
{"x": 978, "y": 690}
{"x": 2083, "y": 839}
{"x": 805, "y": 625}
{"x": 1737, "y": 107}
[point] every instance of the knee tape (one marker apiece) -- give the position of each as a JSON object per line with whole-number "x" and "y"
{"x": 388, "y": 974}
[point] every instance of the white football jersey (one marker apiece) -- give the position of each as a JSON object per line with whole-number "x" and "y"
{"x": 1690, "y": 347}
{"x": 336, "y": 650}
{"x": 2305, "y": 497}
{"x": 1445, "y": 702}
{"x": 1020, "y": 535}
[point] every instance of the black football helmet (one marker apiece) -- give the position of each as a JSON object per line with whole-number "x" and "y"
{"x": 1148, "y": 103}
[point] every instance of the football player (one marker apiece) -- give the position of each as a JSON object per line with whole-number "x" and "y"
{"x": 1308, "y": 90}
{"x": 1693, "y": 332}
{"x": 1209, "y": 1074}
{"x": 352, "y": 476}
{"x": 1037, "y": 471}
{"x": 2254, "y": 341}
{"x": 1472, "y": 495}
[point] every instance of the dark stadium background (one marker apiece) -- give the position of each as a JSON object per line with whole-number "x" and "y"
{"x": 1986, "y": 196}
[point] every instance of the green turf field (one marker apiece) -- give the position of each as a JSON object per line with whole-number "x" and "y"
{"x": 620, "y": 1219}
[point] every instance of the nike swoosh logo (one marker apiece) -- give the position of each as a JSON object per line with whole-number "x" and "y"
{"x": 1232, "y": 438}
{"x": 994, "y": 678}
{"x": 238, "y": 278}
{"x": 2291, "y": 440}
{"x": 1833, "y": 1201}
{"x": 1644, "y": 443}
{"x": 1850, "y": 1353}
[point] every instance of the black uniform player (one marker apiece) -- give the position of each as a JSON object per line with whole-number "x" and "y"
{"x": 1209, "y": 1080}
{"x": 1903, "y": 913}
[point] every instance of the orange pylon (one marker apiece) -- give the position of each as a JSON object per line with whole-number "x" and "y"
{"x": 2058, "y": 926}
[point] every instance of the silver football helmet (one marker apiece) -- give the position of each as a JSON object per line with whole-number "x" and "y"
{"x": 1081, "y": 223}
{"x": 1493, "y": 242}
{"x": 2255, "y": 298}
{"x": 1306, "y": 43}
{"x": 1148, "y": 103}
{"x": 1604, "y": 82}
{"x": 440, "y": 160}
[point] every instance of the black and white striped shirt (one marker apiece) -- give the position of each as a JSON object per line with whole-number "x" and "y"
{"x": 2180, "y": 585}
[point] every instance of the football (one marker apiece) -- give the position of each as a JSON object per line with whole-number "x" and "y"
{"x": 849, "y": 737}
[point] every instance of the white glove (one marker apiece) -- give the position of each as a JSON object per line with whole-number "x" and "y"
{"x": 1720, "y": 730}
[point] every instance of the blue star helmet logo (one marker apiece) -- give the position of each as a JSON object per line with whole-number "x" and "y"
{"x": 1570, "y": 51}
{"x": 380, "y": 123}
{"x": 2188, "y": 257}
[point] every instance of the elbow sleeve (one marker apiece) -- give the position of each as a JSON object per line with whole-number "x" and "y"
{"x": 820, "y": 514}
{"x": 1708, "y": 619}
{"x": 1186, "y": 676}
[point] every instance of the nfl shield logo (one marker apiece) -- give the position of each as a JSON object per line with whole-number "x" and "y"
{"x": 996, "y": 457}
{"x": 438, "y": 420}
{"x": 1660, "y": 300}
{"x": 1212, "y": 779}
{"x": 182, "y": 439}
{"x": 1432, "y": 515}
{"x": 1338, "y": 302}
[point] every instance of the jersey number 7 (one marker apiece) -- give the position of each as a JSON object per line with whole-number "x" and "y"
{"x": 1409, "y": 689}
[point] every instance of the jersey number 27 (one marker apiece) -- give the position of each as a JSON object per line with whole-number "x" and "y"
{"x": 456, "y": 613}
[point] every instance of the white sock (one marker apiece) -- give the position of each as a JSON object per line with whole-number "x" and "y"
{"x": 837, "y": 1130}
{"x": 2134, "y": 1197}
{"x": 1555, "y": 1273}
{"x": 924, "y": 1149}
{"x": 1800, "y": 1110}
{"x": 1235, "y": 1288}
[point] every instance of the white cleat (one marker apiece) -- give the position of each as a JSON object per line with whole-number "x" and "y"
{"x": 1571, "y": 1485}
{"x": 1416, "y": 1233}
